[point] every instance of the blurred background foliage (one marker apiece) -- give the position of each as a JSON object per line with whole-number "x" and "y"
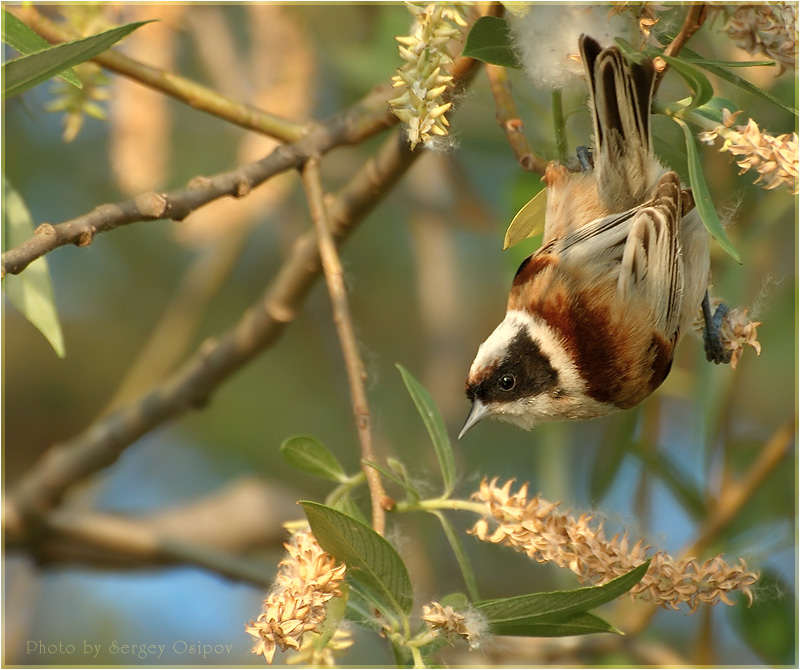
{"x": 428, "y": 281}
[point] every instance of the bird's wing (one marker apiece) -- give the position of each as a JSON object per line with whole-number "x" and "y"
{"x": 642, "y": 245}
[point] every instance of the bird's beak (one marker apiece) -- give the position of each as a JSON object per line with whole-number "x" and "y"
{"x": 479, "y": 411}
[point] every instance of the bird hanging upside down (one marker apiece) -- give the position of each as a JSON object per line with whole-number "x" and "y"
{"x": 594, "y": 316}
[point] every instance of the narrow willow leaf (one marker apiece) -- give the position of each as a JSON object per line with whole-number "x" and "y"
{"x": 546, "y": 609}
{"x": 370, "y": 559}
{"x": 436, "y": 429}
{"x": 702, "y": 89}
{"x": 21, "y": 38}
{"x": 28, "y": 71}
{"x": 528, "y": 222}
{"x": 736, "y": 80}
{"x": 729, "y": 63}
{"x": 31, "y": 292}
{"x": 702, "y": 197}
{"x": 461, "y": 556}
{"x": 398, "y": 474}
{"x": 312, "y": 457}
{"x": 489, "y": 41}
{"x": 579, "y": 624}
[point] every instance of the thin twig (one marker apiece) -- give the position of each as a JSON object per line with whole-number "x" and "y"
{"x": 694, "y": 20}
{"x": 508, "y": 119}
{"x": 356, "y": 374}
{"x": 183, "y": 89}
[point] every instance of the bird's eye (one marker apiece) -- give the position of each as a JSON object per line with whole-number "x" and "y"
{"x": 507, "y": 382}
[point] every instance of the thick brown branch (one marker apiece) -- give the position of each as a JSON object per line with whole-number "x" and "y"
{"x": 192, "y": 385}
{"x": 210, "y": 532}
{"x": 356, "y": 374}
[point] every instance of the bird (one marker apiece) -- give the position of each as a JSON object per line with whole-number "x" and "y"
{"x": 593, "y": 317}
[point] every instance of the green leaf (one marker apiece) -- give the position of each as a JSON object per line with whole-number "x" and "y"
{"x": 461, "y": 556}
{"x": 584, "y": 623}
{"x": 701, "y": 87}
{"x": 31, "y": 292}
{"x": 458, "y": 601}
{"x": 728, "y": 63}
{"x": 371, "y": 561}
{"x": 346, "y": 505}
{"x": 713, "y": 109}
{"x": 436, "y": 429}
{"x": 27, "y": 71}
{"x": 736, "y": 80}
{"x": 489, "y": 41}
{"x": 397, "y": 474}
{"x": 528, "y": 222}
{"x": 769, "y": 624}
{"x": 20, "y": 37}
{"x": 702, "y": 198}
{"x": 312, "y": 457}
{"x": 541, "y": 613}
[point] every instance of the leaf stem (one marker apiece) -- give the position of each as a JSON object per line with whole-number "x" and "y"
{"x": 559, "y": 127}
{"x": 441, "y": 503}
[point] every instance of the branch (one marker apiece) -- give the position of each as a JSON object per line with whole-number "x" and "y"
{"x": 211, "y": 532}
{"x": 508, "y": 119}
{"x": 191, "y": 386}
{"x": 694, "y": 20}
{"x": 366, "y": 118}
{"x": 180, "y": 88}
{"x": 216, "y": 360}
{"x": 356, "y": 374}
{"x": 736, "y": 494}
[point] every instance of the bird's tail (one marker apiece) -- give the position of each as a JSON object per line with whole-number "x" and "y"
{"x": 621, "y": 92}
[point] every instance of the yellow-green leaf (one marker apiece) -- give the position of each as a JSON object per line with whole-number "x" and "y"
{"x": 31, "y": 292}
{"x": 528, "y": 222}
